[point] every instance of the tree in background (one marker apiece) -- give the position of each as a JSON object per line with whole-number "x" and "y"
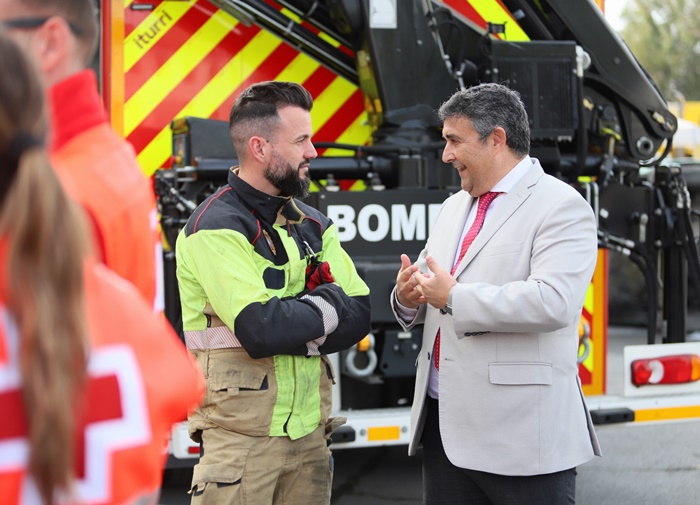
{"x": 664, "y": 35}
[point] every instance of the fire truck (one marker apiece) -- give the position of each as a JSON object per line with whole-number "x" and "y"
{"x": 378, "y": 70}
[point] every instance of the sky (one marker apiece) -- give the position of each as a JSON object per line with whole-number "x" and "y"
{"x": 613, "y": 10}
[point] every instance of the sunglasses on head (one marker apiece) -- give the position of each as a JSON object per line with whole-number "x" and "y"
{"x": 36, "y": 22}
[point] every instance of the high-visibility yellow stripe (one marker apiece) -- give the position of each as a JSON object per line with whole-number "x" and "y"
{"x": 247, "y": 60}
{"x": 359, "y": 185}
{"x": 322, "y": 35}
{"x": 667, "y": 414}
{"x": 240, "y": 68}
{"x": 359, "y": 132}
{"x": 168, "y": 76}
{"x": 157, "y": 149}
{"x": 492, "y": 12}
{"x": 590, "y": 298}
{"x": 589, "y": 362}
{"x": 330, "y": 100}
{"x": 383, "y": 433}
{"x": 151, "y": 30}
{"x": 298, "y": 70}
{"x": 331, "y": 41}
{"x": 152, "y": 155}
{"x": 599, "y": 327}
{"x": 211, "y": 96}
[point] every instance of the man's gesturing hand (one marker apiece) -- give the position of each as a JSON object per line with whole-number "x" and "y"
{"x": 406, "y": 284}
{"x": 436, "y": 288}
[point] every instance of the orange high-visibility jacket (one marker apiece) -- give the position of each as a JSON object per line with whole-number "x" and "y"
{"x": 141, "y": 380}
{"x": 98, "y": 169}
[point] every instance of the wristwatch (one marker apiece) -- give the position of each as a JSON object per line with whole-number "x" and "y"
{"x": 447, "y": 309}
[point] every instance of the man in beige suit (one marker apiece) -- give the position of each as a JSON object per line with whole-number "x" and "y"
{"x": 498, "y": 406}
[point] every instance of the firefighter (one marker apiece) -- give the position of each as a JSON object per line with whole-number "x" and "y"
{"x": 90, "y": 379}
{"x": 267, "y": 291}
{"x": 97, "y": 168}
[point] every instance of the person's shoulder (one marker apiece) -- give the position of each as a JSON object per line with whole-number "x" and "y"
{"x": 118, "y": 167}
{"x": 101, "y": 167}
{"x": 99, "y": 138}
{"x": 557, "y": 186}
{"x": 101, "y": 283}
{"x": 222, "y": 210}
{"x": 116, "y": 311}
{"x": 555, "y": 196}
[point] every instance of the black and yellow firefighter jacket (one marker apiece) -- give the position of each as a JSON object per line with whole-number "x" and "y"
{"x": 242, "y": 262}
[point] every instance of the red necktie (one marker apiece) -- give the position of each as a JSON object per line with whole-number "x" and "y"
{"x": 484, "y": 202}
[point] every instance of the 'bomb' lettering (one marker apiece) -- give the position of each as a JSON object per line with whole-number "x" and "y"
{"x": 374, "y": 222}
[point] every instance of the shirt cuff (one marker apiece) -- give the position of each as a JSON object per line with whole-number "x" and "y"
{"x": 405, "y": 313}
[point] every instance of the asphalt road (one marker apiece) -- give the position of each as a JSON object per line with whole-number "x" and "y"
{"x": 641, "y": 465}
{"x": 655, "y": 464}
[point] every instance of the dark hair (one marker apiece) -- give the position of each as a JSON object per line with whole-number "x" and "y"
{"x": 46, "y": 240}
{"x": 255, "y": 111}
{"x": 81, "y": 14}
{"x": 488, "y": 106}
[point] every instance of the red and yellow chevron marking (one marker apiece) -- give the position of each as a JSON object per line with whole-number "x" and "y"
{"x": 478, "y": 13}
{"x": 189, "y": 58}
{"x": 595, "y": 314}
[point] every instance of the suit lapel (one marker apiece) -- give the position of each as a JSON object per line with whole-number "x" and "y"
{"x": 451, "y": 232}
{"x": 506, "y": 208}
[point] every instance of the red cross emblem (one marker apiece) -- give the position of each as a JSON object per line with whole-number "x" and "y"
{"x": 115, "y": 418}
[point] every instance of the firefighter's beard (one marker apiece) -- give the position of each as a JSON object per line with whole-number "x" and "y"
{"x": 286, "y": 178}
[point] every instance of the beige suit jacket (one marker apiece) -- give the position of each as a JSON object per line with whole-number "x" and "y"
{"x": 510, "y": 398}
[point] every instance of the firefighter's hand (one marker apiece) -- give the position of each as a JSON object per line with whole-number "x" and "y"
{"x": 406, "y": 283}
{"x": 318, "y": 273}
{"x": 436, "y": 288}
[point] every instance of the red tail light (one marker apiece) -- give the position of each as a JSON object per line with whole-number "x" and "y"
{"x": 677, "y": 369}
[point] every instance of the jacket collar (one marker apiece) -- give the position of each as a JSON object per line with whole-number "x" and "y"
{"x": 75, "y": 107}
{"x": 264, "y": 206}
{"x": 506, "y": 208}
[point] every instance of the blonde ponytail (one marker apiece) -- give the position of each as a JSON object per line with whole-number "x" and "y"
{"x": 46, "y": 247}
